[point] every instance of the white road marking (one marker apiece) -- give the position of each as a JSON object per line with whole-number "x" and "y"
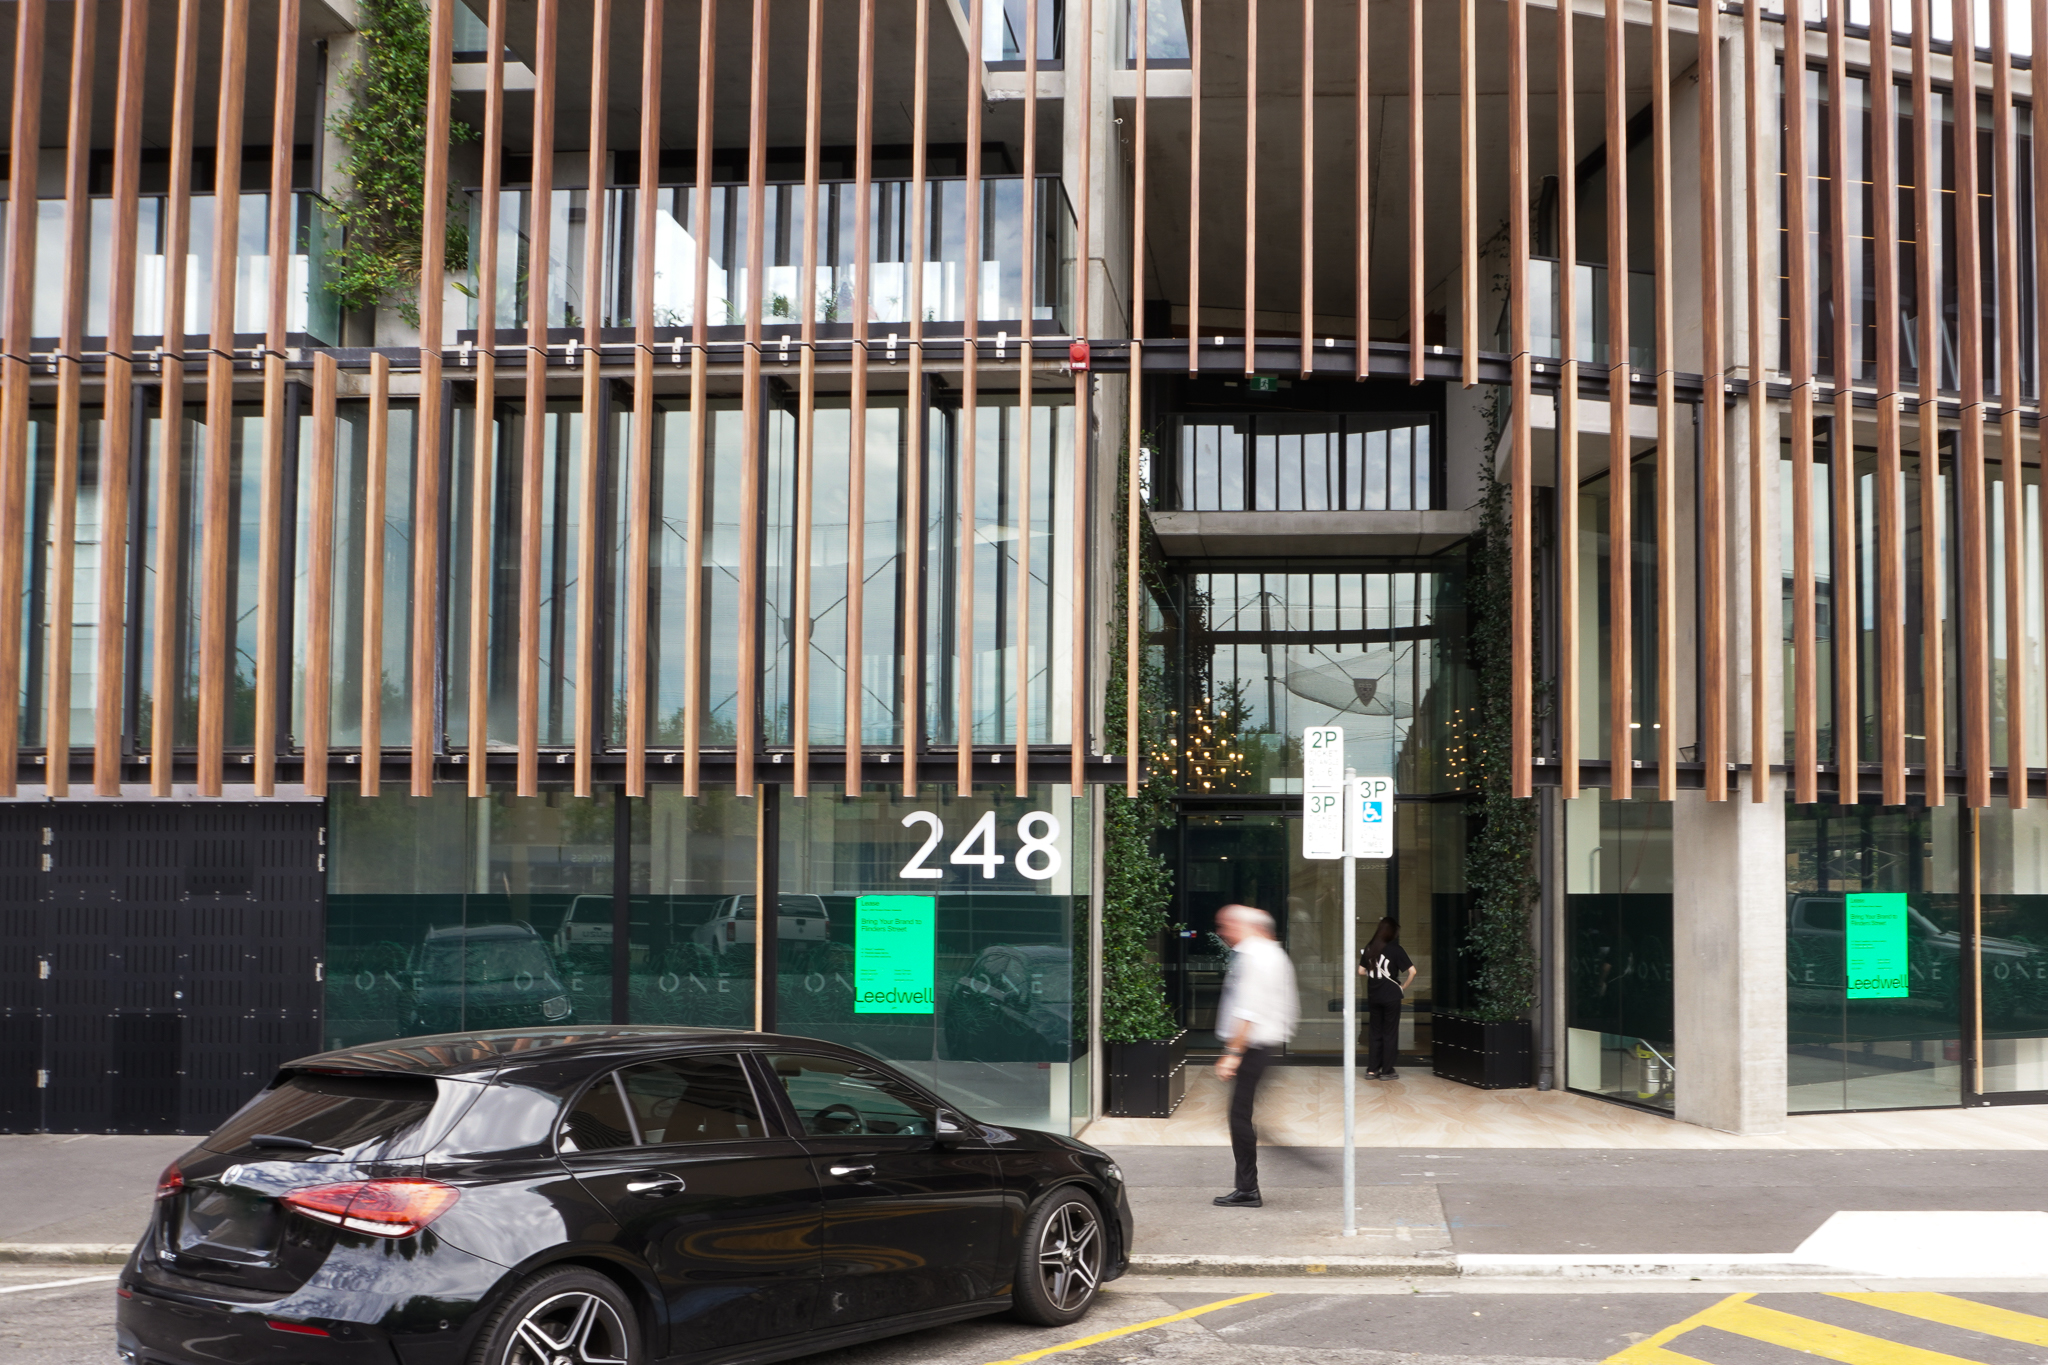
{"x": 58, "y": 1284}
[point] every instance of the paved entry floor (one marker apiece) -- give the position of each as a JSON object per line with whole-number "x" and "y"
{"x": 1303, "y": 1106}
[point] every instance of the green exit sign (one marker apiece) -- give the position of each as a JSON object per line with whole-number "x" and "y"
{"x": 1263, "y": 383}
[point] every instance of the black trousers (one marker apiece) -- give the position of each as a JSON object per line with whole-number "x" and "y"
{"x": 1383, "y": 1044}
{"x": 1244, "y": 1138}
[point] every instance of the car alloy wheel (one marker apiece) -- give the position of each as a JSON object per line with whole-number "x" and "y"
{"x": 572, "y": 1328}
{"x": 1070, "y": 1256}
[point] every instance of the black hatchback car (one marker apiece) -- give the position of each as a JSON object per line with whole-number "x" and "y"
{"x": 606, "y": 1196}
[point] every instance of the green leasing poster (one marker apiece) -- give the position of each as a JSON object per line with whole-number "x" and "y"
{"x": 1876, "y": 945}
{"x": 894, "y": 945}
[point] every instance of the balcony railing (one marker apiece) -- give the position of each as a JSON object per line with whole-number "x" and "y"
{"x": 1007, "y": 232}
{"x": 309, "y": 309}
{"x": 1589, "y": 330}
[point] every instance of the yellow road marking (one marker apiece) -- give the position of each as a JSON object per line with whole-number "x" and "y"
{"x": 1954, "y": 1312}
{"x": 1114, "y": 1333}
{"x": 1822, "y": 1338}
{"x": 1651, "y": 1350}
{"x": 1737, "y": 1314}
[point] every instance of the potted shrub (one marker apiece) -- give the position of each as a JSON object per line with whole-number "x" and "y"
{"x": 1489, "y": 1043}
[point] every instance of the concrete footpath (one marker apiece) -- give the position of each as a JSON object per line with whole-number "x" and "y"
{"x": 1493, "y": 1213}
{"x": 1589, "y": 1213}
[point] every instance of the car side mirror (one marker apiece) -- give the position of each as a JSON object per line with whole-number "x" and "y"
{"x": 948, "y": 1130}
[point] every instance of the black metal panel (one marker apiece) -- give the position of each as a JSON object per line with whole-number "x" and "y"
{"x": 158, "y": 960}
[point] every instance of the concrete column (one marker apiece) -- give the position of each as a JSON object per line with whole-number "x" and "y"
{"x": 1728, "y": 961}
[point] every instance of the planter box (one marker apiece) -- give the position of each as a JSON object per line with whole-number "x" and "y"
{"x": 1147, "y": 1080}
{"x": 1490, "y": 1056}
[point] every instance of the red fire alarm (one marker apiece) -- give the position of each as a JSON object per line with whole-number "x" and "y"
{"x": 1077, "y": 356}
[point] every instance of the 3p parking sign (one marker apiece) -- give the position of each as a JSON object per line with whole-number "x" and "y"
{"x": 1370, "y": 826}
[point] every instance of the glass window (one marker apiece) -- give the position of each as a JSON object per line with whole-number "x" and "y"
{"x": 692, "y": 1099}
{"x": 599, "y": 1120}
{"x": 839, "y": 1098}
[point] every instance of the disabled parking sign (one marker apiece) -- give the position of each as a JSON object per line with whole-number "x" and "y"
{"x": 1370, "y": 829}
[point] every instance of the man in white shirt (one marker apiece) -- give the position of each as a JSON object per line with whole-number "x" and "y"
{"x": 1255, "y": 1019}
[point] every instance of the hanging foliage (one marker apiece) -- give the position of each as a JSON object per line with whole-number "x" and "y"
{"x": 382, "y": 213}
{"x": 1500, "y": 858}
{"x": 1137, "y": 880}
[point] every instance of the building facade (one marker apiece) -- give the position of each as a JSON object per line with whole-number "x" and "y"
{"x": 608, "y": 468}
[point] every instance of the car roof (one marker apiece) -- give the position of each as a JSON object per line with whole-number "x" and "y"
{"x": 481, "y": 1054}
{"x": 480, "y": 932}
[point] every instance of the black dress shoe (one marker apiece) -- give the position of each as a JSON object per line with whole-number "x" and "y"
{"x": 1240, "y": 1199}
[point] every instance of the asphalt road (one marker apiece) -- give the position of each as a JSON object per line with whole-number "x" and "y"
{"x": 1291, "y": 1322}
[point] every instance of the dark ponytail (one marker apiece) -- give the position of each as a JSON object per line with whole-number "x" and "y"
{"x": 1386, "y": 932}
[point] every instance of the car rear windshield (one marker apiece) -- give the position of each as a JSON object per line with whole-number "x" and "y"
{"x": 344, "y": 1112}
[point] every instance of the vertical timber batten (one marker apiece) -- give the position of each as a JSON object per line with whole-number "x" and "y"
{"x": 700, "y": 339}
{"x": 589, "y": 478}
{"x": 970, "y": 421}
{"x": 1620, "y": 453}
{"x": 857, "y": 435}
{"x": 1842, "y": 431}
{"x": 270, "y": 575}
{"x": 69, "y": 434}
{"x": 320, "y": 577}
{"x": 177, "y": 242}
{"x": 1756, "y": 102}
{"x": 484, "y": 442}
{"x": 1134, "y": 400}
{"x": 1973, "y": 589}
{"x": 540, "y": 218}
{"x": 640, "y": 477}
{"x": 1569, "y": 681}
{"x": 1927, "y": 414}
{"x": 2005, "y": 237}
{"x": 1667, "y": 409}
{"x": 1522, "y": 606}
{"x": 1711, "y": 632}
{"x": 216, "y": 481}
{"x": 427, "y": 637}
{"x": 110, "y": 672}
{"x": 378, "y": 460}
{"x": 1026, "y": 416}
{"x": 1891, "y": 568}
{"x": 912, "y": 709}
{"x": 807, "y": 411}
{"x": 1799, "y": 274}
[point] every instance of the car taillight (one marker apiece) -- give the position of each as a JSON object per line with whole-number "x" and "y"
{"x": 731, "y": 930}
{"x": 382, "y": 1208}
{"x": 304, "y": 1329}
{"x": 170, "y": 1182}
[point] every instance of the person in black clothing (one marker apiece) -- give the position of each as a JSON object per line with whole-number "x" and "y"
{"x": 1388, "y": 972}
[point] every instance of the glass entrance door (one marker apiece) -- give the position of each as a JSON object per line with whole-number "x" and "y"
{"x": 1254, "y": 858}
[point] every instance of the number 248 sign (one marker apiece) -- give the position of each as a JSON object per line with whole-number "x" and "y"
{"x": 1037, "y": 852}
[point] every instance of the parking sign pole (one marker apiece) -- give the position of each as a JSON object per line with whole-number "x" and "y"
{"x": 1348, "y": 978}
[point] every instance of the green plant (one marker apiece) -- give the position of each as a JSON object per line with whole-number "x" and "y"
{"x": 1137, "y": 881}
{"x": 382, "y": 214}
{"x": 1500, "y": 858}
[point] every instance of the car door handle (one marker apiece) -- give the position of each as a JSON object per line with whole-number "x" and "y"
{"x": 853, "y": 1172}
{"x": 655, "y": 1185}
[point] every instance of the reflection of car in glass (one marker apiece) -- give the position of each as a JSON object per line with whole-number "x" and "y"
{"x": 731, "y": 925}
{"x": 1818, "y": 934}
{"x": 624, "y": 1195}
{"x": 586, "y": 924}
{"x": 1015, "y": 1004}
{"x": 486, "y": 976}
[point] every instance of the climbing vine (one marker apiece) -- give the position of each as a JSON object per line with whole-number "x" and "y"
{"x": 382, "y": 213}
{"x": 1500, "y": 858}
{"x": 1137, "y": 880}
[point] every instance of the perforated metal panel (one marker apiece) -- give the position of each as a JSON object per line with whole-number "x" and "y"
{"x": 158, "y": 960}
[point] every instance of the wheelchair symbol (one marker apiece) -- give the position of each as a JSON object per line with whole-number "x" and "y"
{"x": 1375, "y": 812}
